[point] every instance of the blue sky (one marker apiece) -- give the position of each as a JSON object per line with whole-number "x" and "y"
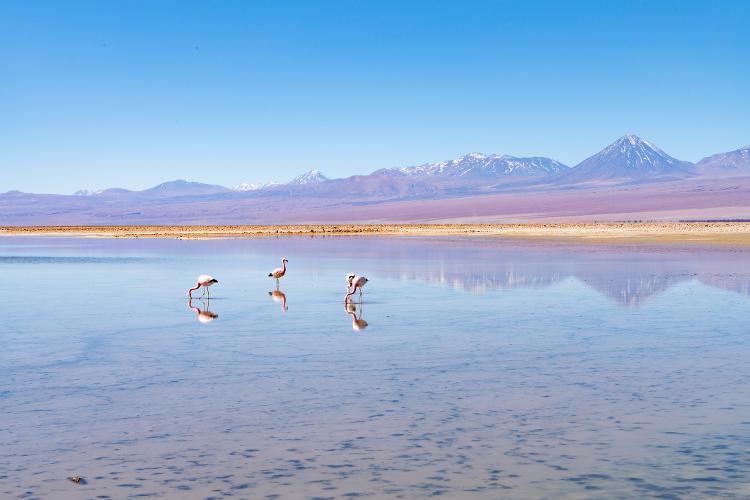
{"x": 97, "y": 94}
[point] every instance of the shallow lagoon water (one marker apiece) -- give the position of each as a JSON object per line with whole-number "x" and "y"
{"x": 486, "y": 368}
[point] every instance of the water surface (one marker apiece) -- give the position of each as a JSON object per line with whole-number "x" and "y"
{"x": 473, "y": 368}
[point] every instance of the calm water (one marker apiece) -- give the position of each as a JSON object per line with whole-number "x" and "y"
{"x": 475, "y": 368}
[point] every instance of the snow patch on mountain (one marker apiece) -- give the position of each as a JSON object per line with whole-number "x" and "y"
{"x": 478, "y": 164}
{"x": 249, "y": 186}
{"x": 246, "y": 186}
{"x": 311, "y": 177}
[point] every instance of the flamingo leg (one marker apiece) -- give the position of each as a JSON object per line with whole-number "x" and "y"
{"x": 204, "y": 291}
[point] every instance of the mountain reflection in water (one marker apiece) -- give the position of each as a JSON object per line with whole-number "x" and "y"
{"x": 626, "y": 274}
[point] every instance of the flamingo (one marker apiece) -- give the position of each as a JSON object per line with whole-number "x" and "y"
{"x": 205, "y": 281}
{"x": 204, "y": 315}
{"x": 279, "y": 272}
{"x": 279, "y": 296}
{"x": 354, "y": 282}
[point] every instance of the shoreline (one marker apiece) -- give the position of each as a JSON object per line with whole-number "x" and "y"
{"x": 715, "y": 233}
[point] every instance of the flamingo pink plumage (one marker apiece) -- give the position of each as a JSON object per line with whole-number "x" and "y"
{"x": 354, "y": 282}
{"x": 279, "y": 272}
{"x": 205, "y": 281}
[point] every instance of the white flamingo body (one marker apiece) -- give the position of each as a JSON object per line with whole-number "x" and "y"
{"x": 279, "y": 272}
{"x": 358, "y": 282}
{"x": 205, "y": 281}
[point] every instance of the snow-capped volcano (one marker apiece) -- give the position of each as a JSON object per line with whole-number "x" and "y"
{"x": 478, "y": 164}
{"x": 629, "y": 157}
{"x": 311, "y": 177}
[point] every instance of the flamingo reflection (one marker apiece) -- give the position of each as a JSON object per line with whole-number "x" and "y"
{"x": 279, "y": 296}
{"x": 204, "y": 315}
{"x": 358, "y": 324}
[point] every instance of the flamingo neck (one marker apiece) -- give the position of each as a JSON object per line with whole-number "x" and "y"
{"x": 191, "y": 290}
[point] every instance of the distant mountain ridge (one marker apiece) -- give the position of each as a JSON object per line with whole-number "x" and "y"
{"x": 629, "y": 158}
{"x": 182, "y": 188}
{"x": 478, "y": 164}
{"x": 628, "y": 165}
{"x": 245, "y": 186}
{"x": 732, "y": 163}
{"x": 87, "y": 192}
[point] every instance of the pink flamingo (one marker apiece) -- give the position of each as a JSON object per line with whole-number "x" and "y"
{"x": 205, "y": 281}
{"x": 354, "y": 282}
{"x": 279, "y": 272}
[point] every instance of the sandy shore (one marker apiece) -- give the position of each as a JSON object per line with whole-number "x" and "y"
{"x": 730, "y": 233}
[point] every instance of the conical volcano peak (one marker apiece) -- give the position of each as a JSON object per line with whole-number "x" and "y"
{"x": 629, "y": 157}
{"x": 632, "y": 141}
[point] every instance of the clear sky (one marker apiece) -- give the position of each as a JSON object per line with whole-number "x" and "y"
{"x": 97, "y": 94}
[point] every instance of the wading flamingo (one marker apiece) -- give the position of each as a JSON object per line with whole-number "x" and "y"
{"x": 204, "y": 315}
{"x": 205, "y": 281}
{"x": 354, "y": 283}
{"x": 279, "y": 272}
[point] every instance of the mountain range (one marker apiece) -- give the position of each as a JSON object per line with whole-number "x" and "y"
{"x": 630, "y": 168}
